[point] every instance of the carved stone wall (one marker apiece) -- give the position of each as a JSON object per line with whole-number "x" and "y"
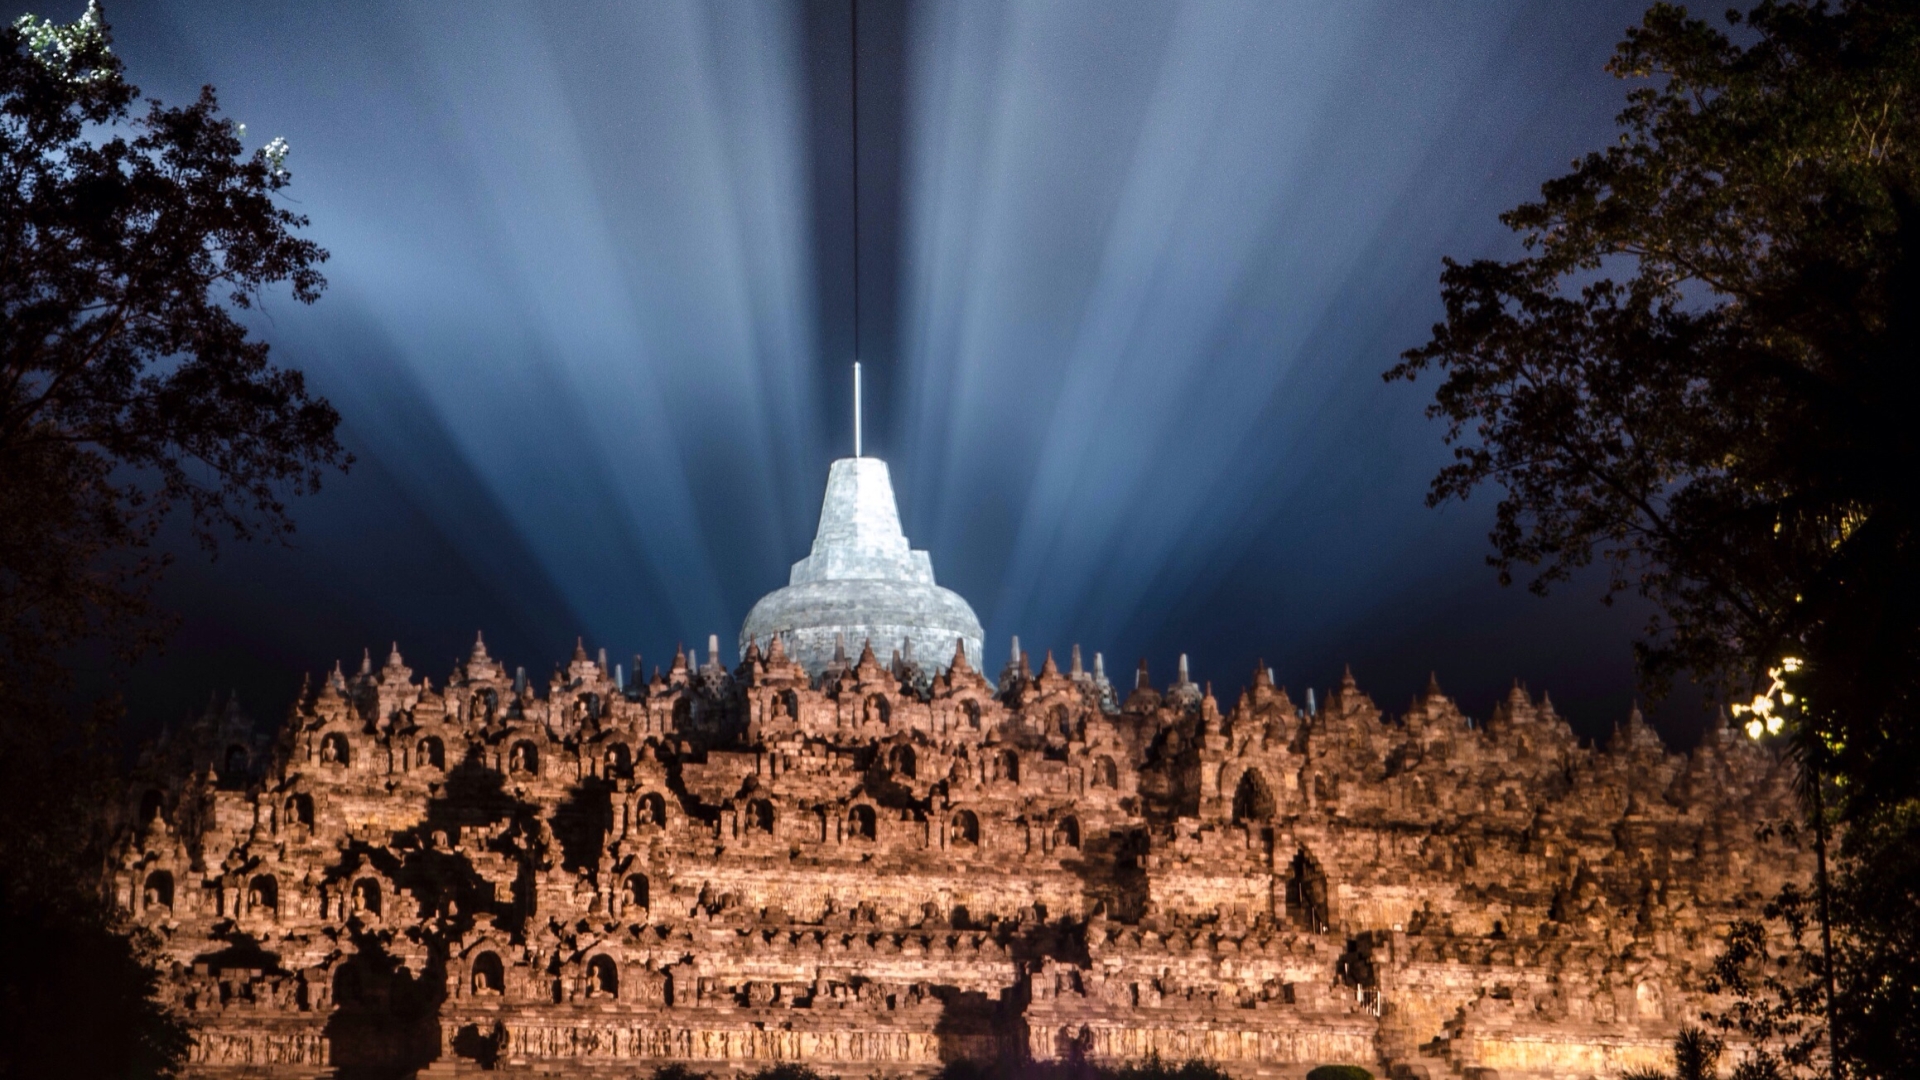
{"x": 874, "y": 872}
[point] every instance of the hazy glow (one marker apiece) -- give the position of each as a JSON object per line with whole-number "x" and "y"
{"x": 1151, "y": 259}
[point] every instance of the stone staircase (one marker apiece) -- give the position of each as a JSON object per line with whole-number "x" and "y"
{"x": 1407, "y": 1058}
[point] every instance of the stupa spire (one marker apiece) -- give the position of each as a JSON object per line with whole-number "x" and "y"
{"x": 862, "y": 579}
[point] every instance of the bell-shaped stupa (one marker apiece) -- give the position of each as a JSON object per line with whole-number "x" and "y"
{"x": 863, "y": 584}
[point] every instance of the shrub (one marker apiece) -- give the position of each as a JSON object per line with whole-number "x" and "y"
{"x": 783, "y": 1071}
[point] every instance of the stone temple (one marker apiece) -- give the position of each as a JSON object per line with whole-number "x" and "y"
{"x": 877, "y": 867}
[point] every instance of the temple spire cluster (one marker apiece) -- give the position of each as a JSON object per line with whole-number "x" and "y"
{"x": 876, "y": 874}
{"x": 829, "y": 854}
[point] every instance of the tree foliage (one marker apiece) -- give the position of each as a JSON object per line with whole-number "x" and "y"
{"x": 1699, "y": 375}
{"x": 134, "y": 237}
{"x": 128, "y": 241}
{"x": 1700, "y": 372}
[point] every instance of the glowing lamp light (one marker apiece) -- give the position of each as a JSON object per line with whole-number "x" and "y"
{"x": 1765, "y": 720}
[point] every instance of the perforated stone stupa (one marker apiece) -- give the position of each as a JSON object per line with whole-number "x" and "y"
{"x": 872, "y": 872}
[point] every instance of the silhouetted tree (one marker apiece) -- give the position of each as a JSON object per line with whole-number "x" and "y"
{"x": 129, "y": 241}
{"x": 1701, "y": 374}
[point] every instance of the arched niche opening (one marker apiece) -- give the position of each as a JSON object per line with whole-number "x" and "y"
{"x": 1252, "y": 798}
{"x": 430, "y": 753}
{"x": 263, "y": 895}
{"x": 619, "y": 762}
{"x": 1006, "y": 766}
{"x": 790, "y": 705}
{"x": 1105, "y": 773}
{"x": 157, "y": 893}
{"x": 902, "y": 760}
{"x": 335, "y": 750}
{"x": 1067, "y": 832}
{"x": 603, "y": 977}
{"x": 964, "y": 829}
{"x": 482, "y": 706}
{"x": 1306, "y": 893}
{"x": 489, "y": 975}
{"x": 365, "y": 898}
{"x": 637, "y": 890}
{"x": 524, "y": 758}
{"x": 652, "y": 809}
{"x": 862, "y": 823}
{"x": 299, "y": 808}
{"x": 972, "y": 711}
{"x": 759, "y": 816}
{"x": 879, "y": 709}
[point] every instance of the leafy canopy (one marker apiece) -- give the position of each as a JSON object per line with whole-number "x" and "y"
{"x": 129, "y": 241}
{"x": 1701, "y": 371}
{"x": 133, "y": 238}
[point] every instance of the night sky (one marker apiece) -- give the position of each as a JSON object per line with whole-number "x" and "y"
{"x": 1128, "y": 276}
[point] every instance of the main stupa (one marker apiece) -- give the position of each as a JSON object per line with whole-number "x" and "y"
{"x": 863, "y": 584}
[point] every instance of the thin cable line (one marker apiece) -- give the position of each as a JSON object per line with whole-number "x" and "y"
{"x": 853, "y": 63}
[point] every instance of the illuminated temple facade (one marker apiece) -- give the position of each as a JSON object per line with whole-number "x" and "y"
{"x": 876, "y": 867}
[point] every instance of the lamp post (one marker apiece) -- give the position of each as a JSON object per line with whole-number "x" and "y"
{"x": 1766, "y": 715}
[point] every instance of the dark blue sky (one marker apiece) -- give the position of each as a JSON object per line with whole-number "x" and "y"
{"x": 1129, "y": 274}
